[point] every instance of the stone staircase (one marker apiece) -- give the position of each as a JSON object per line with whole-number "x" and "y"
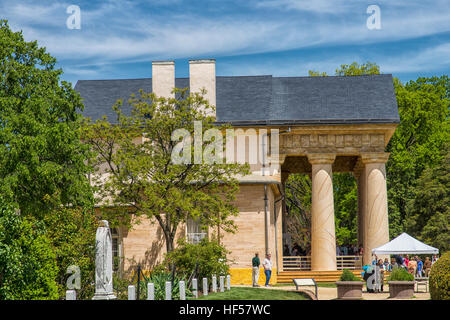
{"x": 318, "y": 276}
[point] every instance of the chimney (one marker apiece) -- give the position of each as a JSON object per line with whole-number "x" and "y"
{"x": 163, "y": 78}
{"x": 202, "y": 75}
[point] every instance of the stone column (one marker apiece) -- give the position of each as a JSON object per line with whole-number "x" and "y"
{"x": 323, "y": 239}
{"x": 376, "y": 223}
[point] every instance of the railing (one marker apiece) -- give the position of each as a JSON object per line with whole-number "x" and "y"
{"x": 303, "y": 263}
{"x": 297, "y": 263}
{"x": 349, "y": 262}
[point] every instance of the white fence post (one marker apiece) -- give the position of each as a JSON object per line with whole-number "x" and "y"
{"x": 195, "y": 288}
{"x": 168, "y": 290}
{"x": 205, "y": 286}
{"x": 150, "y": 291}
{"x": 221, "y": 283}
{"x": 228, "y": 282}
{"x": 182, "y": 291}
{"x": 131, "y": 292}
{"x": 214, "y": 283}
{"x": 71, "y": 295}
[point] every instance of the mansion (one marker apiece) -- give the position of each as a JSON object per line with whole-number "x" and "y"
{"x": 325, "y": 125}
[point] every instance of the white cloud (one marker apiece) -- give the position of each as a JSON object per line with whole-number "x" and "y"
{"x": 123, "y": 31}
{"x": 430, "y": 59}
{"x": 315, "y": 6}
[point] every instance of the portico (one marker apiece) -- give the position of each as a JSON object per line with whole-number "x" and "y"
{"x": 357, "y": 149}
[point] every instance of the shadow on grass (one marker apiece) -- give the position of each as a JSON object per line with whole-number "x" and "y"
{"x": 245, "y": 293}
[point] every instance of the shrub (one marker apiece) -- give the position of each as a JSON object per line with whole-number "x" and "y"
{"x": 159, "y": 279}
{"x": 120, "y": 286}
{"x": 205, "y": 259}
{"x": 28, "y": 268}
{"x": 72, "y": 233}
{"x": 400, "y": 274}
{"x": 440, "y": 278}
{"x": 347, "y": 275}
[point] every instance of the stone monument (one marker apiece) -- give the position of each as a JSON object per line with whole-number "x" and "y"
{"x": 103, "y": 263}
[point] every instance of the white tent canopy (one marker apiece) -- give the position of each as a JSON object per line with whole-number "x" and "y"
{"x": 405, "y": 244}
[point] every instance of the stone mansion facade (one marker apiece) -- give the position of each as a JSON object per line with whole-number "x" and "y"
{"x": 326, "y": 124}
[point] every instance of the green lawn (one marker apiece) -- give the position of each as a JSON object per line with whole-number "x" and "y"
{"x": 246, "y": 293}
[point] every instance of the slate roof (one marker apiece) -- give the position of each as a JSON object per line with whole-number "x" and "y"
{"x": 267, "y": 100}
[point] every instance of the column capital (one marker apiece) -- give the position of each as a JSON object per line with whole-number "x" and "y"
{"x": 321, "y": 158}
{"x": 375, "y": 157}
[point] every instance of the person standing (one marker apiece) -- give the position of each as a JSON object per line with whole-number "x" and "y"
{"x": 419, "y": 267}
{"x": 255, "y": 270}
{"x": 345, "y": 250}
{"x": 286, "y": 251}
{"x": 267, "y": 264}
{"x": 380, "y": 272}
{"x": 375, "y": 260}
{"x": 399, "y": 260}
{"x": 427, "y": 266}
{"x": 435, "y": 258}
{"x": 387, "y": 265}
{"x": 412, "y": 266}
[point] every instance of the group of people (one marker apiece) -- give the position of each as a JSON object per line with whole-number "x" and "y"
{"x": 296, "y": 251}
{"x": 349, "y": 250}
{"x": 413, "y": 265}
{"x": 267, "y": 265}
{"x": 341, "y": 250}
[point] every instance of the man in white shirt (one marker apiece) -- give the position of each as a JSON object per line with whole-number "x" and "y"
{"x": 267, "y": 264}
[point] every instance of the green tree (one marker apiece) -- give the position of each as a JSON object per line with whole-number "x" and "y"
{"x": 346, "y": 208}
{"x": 72, "y": 233}
{"x": 28, "y": 266}
{"x": 418, "y": 142}
{"x": 298, "y": 205}
{"x": 43, "y": 172}
{"x": 206, "y": 258}
{"x": 142, "y": 176}
{"x": 356, "y": 69}
{"x": 42, "y": 160}
{"x": 429, "y": 210}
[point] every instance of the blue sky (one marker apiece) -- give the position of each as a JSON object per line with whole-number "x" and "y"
{"x": 120, "y": 38}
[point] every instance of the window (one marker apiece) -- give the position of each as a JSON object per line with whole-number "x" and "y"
{"x": 115, "y": 249}
{"x": 194, "y": 233}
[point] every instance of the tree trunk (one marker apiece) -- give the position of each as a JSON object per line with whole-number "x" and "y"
{"x": 169, "y": 241}
{"x": 169, "y": 236}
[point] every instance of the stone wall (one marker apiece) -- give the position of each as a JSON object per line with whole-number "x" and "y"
{"x": 145, "y": 243}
